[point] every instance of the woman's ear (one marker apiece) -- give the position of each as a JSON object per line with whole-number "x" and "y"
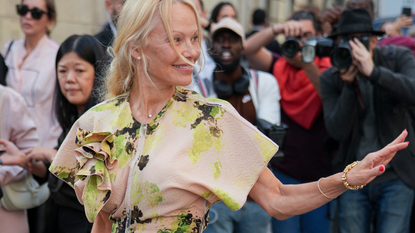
{"x": 135, "y": 53}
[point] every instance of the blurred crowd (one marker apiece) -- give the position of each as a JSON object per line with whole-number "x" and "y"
{"x": 324, "y": 109}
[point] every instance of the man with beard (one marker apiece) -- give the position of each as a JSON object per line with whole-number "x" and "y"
{"x": 255, "y": 95}
{"x": 307, "y": 147}
{"x": 108, "y": 33}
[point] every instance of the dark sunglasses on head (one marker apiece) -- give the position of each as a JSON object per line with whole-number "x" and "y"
{"x": 23, "y": 9}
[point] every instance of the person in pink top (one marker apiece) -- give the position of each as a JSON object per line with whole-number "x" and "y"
{"x": 31, "y": 73}
{"x": 393, "y": 35}
{"x": 23, "y": 135}
{"x": 31, "y": 66}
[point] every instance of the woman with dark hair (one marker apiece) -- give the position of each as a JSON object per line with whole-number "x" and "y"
{"x": 222, "y": 10}
{"x": 77, "y": 65}
{"x": 77, "y": 68}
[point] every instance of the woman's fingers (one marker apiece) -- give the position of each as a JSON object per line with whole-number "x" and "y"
{"x": 376, "y": 171}
{"x": 4, "y": 143}
{"x": 400, "y": 138}
{"x": 385, "y": 155}
{"x": 28, "y": 152}
{"x": 292, "y": 29}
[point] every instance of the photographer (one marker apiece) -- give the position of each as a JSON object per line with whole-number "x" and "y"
{"x": 255, "y": 95}
{"x": 365, "y": 105}
{"x": 305, "y": 158}
{"x": 331, "y": 16}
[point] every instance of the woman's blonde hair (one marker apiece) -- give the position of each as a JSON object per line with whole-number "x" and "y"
{"x": 136, "y": 21}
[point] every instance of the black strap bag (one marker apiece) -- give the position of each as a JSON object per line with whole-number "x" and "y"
{"x": 3, "y": 66}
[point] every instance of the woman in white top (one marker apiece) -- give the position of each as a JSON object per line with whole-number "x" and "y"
{"x": 31, "y": 66}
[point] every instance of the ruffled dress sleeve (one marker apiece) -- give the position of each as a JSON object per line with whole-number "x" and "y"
{"x": 83, "y": 161}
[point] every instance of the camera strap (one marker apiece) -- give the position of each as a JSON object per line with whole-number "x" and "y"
{"x": 204, "y": 84}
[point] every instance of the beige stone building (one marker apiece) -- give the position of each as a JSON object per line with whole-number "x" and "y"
{"x": 74, "y": 17}
{"x": 88, "y": 16}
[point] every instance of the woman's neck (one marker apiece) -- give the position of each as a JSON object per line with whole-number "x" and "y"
{"x": 31, "y": 42}
{"x": 147, "y": 99}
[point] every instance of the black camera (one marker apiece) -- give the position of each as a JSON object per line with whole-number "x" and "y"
{"x": 317, "y": 46}
{"x": 291, "y": 46}
{"x": 276, "y": 133}
{"x": 342, "y": 56}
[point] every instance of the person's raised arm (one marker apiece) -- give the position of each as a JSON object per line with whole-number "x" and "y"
{"x": 284, "y": 201}
{"x": 258, "y": 40}
{"x": 258, "y": 56}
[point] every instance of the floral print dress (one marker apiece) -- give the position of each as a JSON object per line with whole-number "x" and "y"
{"x": 165, "y": 175}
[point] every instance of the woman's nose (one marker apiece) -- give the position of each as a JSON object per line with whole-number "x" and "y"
{"x": 192, "y": 51}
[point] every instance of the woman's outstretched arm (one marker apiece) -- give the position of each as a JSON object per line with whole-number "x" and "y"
{"x": 284, "y": 201}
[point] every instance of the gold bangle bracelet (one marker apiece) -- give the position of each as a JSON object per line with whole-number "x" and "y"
{"x": 318, "y": 185}
{"x": 344, "y": 179}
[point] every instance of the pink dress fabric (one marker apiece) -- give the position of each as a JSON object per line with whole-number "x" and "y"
{"x": 35, "y": 81}
{"x": 17, "y": 126}
{"x": 194, "y": 153}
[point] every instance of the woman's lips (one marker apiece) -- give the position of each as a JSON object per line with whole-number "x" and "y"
{"x": 26, "y": 25}
{"x": 184, "y": 67}
{"x": 72, "y": 90}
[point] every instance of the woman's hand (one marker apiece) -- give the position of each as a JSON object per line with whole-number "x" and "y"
{"x": 39, "y": 153}
{"x": 374, "y": 163}
{"x": 13, "y": 155}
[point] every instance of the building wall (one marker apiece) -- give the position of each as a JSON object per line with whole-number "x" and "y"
{"x": 74, "y": 17}
{"x": 88, "y": 16}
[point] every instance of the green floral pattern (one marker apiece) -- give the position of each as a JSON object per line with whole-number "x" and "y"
{"x": 195, "y": 153}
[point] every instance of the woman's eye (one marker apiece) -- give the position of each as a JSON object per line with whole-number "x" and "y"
{"x": 176, "y": 40}
{"x": 61, "y": 71}
{"x": 79, "y": 71}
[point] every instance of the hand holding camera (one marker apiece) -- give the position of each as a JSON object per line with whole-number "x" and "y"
{"x": 362, "y": 57}
{"x": 349, "y": 74}
{"x": 292, "y": 28}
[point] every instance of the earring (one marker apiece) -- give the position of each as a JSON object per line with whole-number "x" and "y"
{"x": 138, "y": 58}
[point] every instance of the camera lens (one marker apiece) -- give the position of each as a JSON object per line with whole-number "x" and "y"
{"x": 290, "y": 47}
{"x": 342, "y": 58}
{"x": 309, "y": 53}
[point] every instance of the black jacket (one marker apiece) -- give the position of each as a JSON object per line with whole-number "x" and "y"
{"x": 105, "y": 37}
{"x": 393, "y": 80}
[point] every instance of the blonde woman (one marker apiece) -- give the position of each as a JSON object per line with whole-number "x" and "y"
{"x": 156, "y": 156}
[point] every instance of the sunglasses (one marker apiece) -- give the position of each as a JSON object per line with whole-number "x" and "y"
{"x": 23, "y": 9}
